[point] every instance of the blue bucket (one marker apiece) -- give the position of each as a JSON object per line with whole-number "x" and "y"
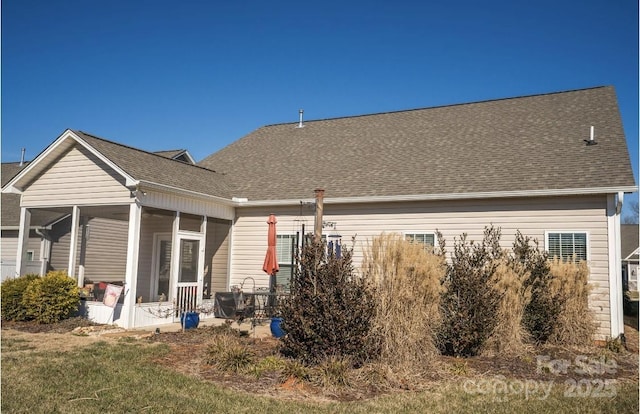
{"x": 189, "y": 320}
{"x": 276, "y": 329}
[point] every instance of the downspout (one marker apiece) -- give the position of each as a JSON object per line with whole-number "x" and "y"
{"x": 317, "y": 228}
{"x": 614, "y": 208}
{"x": 45, "y": 249}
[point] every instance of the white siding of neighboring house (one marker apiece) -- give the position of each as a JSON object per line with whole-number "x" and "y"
{"x": 9, "y": 250}
{"x": 531, "y": 216}
{"x": 79, "y": 178}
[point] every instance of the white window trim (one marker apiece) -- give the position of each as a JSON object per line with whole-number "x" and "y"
{"x": 291, "y": 237}
{"x": 431, "y": 232}
{"x": 153, "y": 286}
{"x": 588, "y": 240}
{"x": 33, "y": 255}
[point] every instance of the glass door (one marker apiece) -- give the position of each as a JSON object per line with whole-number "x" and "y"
{"x": 189, "y": 271}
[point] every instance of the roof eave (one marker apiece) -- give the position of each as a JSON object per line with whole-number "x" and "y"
{"x": 449, "y": 196}
{"x": 142, "y": 185}
{"x": 16, "y": 185}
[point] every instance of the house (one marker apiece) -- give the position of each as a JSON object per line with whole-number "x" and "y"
{"x": 630, "y": 245}
{"x": 36, "y": 248}
{"x": 554, "y": 166}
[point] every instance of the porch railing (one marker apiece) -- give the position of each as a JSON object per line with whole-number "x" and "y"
{"x": 186, "y": 298}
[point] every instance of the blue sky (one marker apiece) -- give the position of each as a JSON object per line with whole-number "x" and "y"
{"x": 200, "y": 74}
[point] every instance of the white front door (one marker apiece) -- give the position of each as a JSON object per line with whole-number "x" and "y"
{"x": 188, "y": 272}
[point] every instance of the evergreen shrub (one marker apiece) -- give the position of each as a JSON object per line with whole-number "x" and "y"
{"x": 11, "y": 294}
{"x": 51, "y": 298}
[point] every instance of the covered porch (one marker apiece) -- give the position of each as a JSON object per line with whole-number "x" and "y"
{"x": 156, "y": 227}
{"x": 166, "y": 261}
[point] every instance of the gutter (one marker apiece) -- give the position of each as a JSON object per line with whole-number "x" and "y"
{"x": 449, "y": 196}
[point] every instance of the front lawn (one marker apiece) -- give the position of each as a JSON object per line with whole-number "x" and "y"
{"x": 91, "y": 375}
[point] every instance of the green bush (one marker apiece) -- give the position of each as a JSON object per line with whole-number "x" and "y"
{"x": 542, "y": 311}
{"x": 329, "y": 311}
{"x": 469, "y": 302}
{"x": 51, "y": 298}
{"x": 11, "y": 295}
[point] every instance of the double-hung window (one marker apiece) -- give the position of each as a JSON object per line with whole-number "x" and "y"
{"x": 567, "y": 245}
{"x": 427, "y": 239}
{"x": 284, "y": 250}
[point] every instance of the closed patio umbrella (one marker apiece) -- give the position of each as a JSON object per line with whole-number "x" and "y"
{"x": 270, "y": 265}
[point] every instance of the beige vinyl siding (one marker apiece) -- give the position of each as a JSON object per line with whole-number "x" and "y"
{"x": 217, "y": 255}
{"x": 60, "y": 242}
{"x": 80, "y": 178}
{"x": 151, "y": 224}
{"x": 532, "y": 216}
{"x": 106, "y": 250}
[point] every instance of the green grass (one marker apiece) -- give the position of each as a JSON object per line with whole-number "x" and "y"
{"x": 123, "y": 377}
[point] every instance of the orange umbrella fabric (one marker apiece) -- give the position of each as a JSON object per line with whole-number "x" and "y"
{"x": 270, "y": 265}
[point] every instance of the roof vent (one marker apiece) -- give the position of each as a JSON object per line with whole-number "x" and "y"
{"x": 22, "y": 157}
{"x": 591, "y": 140}
{"x": 300, "y": 125}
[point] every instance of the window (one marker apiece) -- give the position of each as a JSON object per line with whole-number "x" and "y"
{"x": 428, "y": 239}
{"x": 284, "y": 250}
{"x": 29, "y": 255}
{"x": 566, "y": 245}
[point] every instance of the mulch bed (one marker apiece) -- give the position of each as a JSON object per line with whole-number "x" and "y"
{"x": 189, "y": 351}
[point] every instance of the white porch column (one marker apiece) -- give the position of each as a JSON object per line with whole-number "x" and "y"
{"x": 131, "y": 274}
{"x": 73, "y": 243}
{"x": 84, "y": 239}
{"x": 23, "y": 237}
{"x": 615, "y": 263}
{"x": 201, "y": 258}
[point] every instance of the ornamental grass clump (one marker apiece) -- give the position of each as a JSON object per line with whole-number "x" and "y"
{"x": 509, "y": 336}
{"x": 569, "y": 287}
{"x": 406, "y": 278}
{"x": 329, "y": 311}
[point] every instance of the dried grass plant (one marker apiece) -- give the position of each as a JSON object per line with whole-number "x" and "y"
{"x": 569, "y": 287}
{"x": 509, "y": 337}
{"x": 407, "y": 280}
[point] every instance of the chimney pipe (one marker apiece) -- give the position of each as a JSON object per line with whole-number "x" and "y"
{"x": 317, "y": 228}
{"x": 300, "y": 112}
{"x": 592, "y": 137}
{"x": 22, "y": 157}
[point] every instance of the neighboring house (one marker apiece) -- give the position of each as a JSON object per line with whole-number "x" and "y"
{"x": 179, "y": 155}
{"x": 554, "y": 166}
{"x": 630, "y": 245}
{"x": 36, "y": 246}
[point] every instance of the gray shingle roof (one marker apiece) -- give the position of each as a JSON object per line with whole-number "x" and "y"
{"x": 154, "y": 168}
{"x": 629, "y": 239}
{"x": 516, "y": 144}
